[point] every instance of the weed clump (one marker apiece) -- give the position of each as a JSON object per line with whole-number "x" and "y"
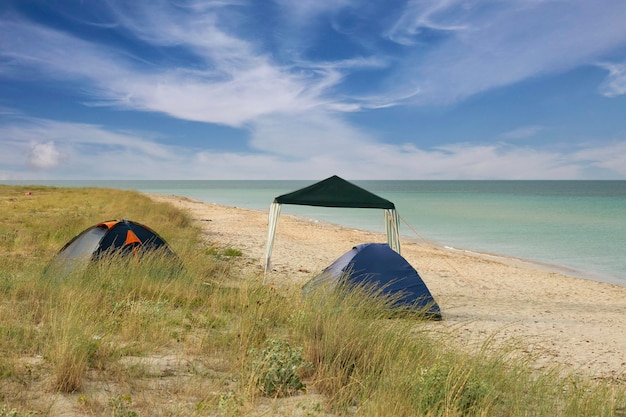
{"x": 277, "y": 369}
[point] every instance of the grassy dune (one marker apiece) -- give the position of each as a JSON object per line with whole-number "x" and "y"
{"x": 123, "y": 338}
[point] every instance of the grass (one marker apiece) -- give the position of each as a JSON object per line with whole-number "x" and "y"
{"x": 150, "y": 339}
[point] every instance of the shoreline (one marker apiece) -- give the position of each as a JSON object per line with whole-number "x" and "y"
{"x": 595, "y": 264}
{"x": 420, "y": 240}
{"x": 531, "y": 263}
{"x": 559, "y": 319}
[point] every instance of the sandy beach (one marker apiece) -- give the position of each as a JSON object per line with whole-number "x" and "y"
{"x": 557, "y": 319}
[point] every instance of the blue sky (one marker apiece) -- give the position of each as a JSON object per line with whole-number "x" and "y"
{"x": 304, "y": 89}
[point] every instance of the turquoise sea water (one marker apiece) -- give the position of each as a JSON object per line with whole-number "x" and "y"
{"x": 579, "y": 226}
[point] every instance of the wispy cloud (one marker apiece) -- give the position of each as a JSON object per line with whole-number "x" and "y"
{"x": 524, "y": 132}
{"x": 37, "y": 148}
{"x": 201, "y": 61}
{"x": 615, "y": 84}
{"x": 609, "y": 157}
{"x": 48, "y": 147}
{"x": 32, "y": 51}
{"x": 483, "y": 45}
{"x": 232, "y": 83}
{"x": 419, "y": 17}
{"x": 304, "y": 13}
{"x": 451, "y": 50}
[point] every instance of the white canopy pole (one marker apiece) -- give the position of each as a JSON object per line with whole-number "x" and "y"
{"x": 272, "y": 221}
{"x": 392, "y": 221}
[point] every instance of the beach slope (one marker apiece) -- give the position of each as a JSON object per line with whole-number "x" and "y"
{"x": 557, "y": 319}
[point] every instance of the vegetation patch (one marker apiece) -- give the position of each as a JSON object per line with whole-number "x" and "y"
{"x": 206, "y": 340}
{"x": 277, "y": 368}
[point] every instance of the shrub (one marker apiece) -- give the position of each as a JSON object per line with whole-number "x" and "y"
{"x": 277, "y": 368}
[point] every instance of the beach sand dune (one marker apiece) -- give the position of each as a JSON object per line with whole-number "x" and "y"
{"x": 558, "y": 319}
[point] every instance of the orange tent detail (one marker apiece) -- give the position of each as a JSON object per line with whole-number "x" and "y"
{"x": 131, "y": 238}
{"x": 109, "y": 224}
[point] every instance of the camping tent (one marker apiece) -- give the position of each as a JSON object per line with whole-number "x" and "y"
{"x": 334, "y": 192}
{"x": 114, "y": 236}
{"x": 378, "y": 265}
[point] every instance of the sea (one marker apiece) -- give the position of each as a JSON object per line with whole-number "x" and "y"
{"x": 575, "y": 227}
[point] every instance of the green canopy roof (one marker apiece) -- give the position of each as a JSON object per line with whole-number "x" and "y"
{"x": 334, "y": 192}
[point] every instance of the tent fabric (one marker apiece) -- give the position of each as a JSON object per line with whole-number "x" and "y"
{"x": 334, "y": 192}
{"x": 113, "y": 236}
{"x": 377, "y": 264}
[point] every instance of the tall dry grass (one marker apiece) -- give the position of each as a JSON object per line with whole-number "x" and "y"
{"x": 122, "y": 338}
{"x": 370, "y": 363}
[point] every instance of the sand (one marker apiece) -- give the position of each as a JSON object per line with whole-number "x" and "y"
{"x": 557, "y": 319}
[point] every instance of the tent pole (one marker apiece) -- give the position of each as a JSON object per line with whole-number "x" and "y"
{"x": 392, "y": 222}
{"x": 272, "y": 221}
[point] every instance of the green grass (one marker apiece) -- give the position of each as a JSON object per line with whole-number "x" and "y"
{"x": 122, "y": 338}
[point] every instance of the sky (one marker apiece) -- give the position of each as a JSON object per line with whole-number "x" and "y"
{"x": 306, "y": 89}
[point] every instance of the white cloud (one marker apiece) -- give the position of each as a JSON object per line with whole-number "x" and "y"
{"x": 303, "y": 14}
{"x": 610, "y": 157}
{"x": 313, "y": 134}
{"x": 522, "y": 132}
{"x": 615, "y": 84}
{"x": 43, "y": 155}
{"x": 232, "y": 83}
{"x": 374, "y": 160}
{"x": 326, "y": 147}
{"x": 77, "y": 150}
{"x": 293, "y": 107}
{"x": 419, "y": 16}
{"x": 244, "y": 97}
{"x": 33, "y": 51}
{"x": 232, "y": 80}
{"x": 484, "y": 45}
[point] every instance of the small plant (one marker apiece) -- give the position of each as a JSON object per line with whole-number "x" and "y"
{"x": 277, "y": 368}
{"x": 232, "y": 252}
{"x": 224, "y": 253}
{"x": 229, "y": 404}
{"x": 121, "y": 406}
{"x": 13, "y": 412}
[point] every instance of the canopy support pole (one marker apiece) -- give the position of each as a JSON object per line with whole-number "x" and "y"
{"x": 392, "y": 221}
{"x": 272, "y": 222}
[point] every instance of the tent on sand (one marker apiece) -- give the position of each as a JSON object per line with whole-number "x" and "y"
{"x": 378, "y": 265}
{"x": 334, "y": 192}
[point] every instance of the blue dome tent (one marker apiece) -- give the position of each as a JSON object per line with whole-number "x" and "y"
{"x": 377, "y": 264}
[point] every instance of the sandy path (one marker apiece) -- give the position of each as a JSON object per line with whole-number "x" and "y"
{"x": 570, "y": 321}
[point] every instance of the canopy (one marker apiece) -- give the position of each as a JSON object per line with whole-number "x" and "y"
{"x": 334, "y": 192}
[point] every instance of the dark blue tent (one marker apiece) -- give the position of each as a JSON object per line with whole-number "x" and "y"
{"x": 103, "y": 240}
{"x": 377, "y": 264}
